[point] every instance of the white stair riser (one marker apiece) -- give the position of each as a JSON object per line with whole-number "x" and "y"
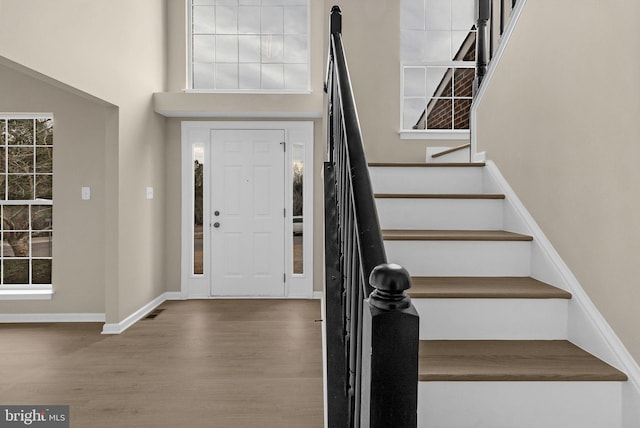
{"x": 461, "y": 258}
{"x": 442, "y": 214}
{"x": 486, "y": 319}
{"x": 426, "y": 180}
{"x": 519, "y": 404}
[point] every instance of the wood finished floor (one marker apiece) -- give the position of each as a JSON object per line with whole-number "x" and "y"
{"x": 199, "y": 363}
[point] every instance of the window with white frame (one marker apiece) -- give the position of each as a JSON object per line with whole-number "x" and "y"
{"x": 438, "y": 64}
{"x": 249, "y": 45}
{"x": 26, "y": 200}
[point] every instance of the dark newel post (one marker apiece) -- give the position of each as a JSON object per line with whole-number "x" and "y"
{"x": 390, "y": 352}
{"x": 483, "y": 14}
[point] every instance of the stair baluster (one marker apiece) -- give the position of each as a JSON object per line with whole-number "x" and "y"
{"x": 491, "y": 21}
{"x": 371, "y": 325}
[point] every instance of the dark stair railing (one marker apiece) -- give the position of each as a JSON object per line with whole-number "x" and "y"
{"x": 491, "y": 21}
{"x": 371, "y": 325}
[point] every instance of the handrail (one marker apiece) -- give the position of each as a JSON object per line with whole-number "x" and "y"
{"x": 371, "y": 325}
{"x": 451, "y": 150}
{"x": 367, "y": 225}
{"x": 491, "y": 21}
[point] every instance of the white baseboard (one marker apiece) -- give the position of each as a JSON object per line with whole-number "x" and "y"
{"x": 173, "y": 295}
{"x": 315, "y": 295}
{"x": 479, "y": 157}
{"x": 117, "y": 328}
{"x": 108, "y": 328}
{"x": 46, "y": 318}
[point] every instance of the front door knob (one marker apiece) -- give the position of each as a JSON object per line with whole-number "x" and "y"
{"x": 216, "y": 224}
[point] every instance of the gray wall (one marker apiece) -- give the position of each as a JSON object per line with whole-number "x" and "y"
{"x": 116, "y": 51}
{"x": 560, "y": 119}
{"x": 79, "y": 160}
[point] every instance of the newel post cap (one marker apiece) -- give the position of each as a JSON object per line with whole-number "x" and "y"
{"x": 390, "y": 282}
{"x": 336, "y": 20}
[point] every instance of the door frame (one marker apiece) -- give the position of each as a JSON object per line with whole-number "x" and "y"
{"x": 199, "y": 132}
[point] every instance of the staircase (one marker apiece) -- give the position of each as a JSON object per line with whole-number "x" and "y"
{"x": 494, "y": 348}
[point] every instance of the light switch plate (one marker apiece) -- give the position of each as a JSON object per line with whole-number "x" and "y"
{"x": 86, "y": 193}
{"x": 149, "y": 192}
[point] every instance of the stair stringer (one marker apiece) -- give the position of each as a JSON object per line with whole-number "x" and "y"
{"x": 586, "y": 327}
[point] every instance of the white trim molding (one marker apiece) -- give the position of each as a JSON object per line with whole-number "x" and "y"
{"x": 25, "y": 294}
{"x": 422, "y": 134}
{"x": 587, "y": 327}
{"x": 26, "y": 115}
{"x": 47, "y": 318}
{"x": 297, "y": 286}
{"x": 173, "y": 295}
{"x": 249, "y": 91}
{"x": 117, "y": 328}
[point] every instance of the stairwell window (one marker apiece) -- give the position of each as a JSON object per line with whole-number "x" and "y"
{"x": 249, "y": 45}
{"x": 26, "y": 202}
{"x": 438, "y": 64}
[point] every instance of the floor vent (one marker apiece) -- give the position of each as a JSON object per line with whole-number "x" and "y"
{"x": 154, "y": 313}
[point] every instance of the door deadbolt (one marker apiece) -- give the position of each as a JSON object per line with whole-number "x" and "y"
{"x": 216, "y": 213}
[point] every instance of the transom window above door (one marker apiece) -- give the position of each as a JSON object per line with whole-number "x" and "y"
{"x": 249, "y": 45}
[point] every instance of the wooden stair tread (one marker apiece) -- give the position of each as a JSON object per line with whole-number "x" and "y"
{"x": 428, "y": 165}
{"x": 464, "y": 287}
{"x": 439, "y": 196}
{"x": 511, "y": 360}
{"x": 453, "y": 235}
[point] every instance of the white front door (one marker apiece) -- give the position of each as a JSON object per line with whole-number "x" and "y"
{"x": 247, "y": 213}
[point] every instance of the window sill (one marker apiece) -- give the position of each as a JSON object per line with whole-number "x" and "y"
{"x": 434, "y": 135}
{"x": 26, "y": 294}
{"x": 249, "y": 91}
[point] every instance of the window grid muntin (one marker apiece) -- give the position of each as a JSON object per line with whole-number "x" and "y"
{"x": 418, "y": 23}
{"x": 293, "y": 73}
{"x": 30, "y": 258}
{"x": 426, "y": 99}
